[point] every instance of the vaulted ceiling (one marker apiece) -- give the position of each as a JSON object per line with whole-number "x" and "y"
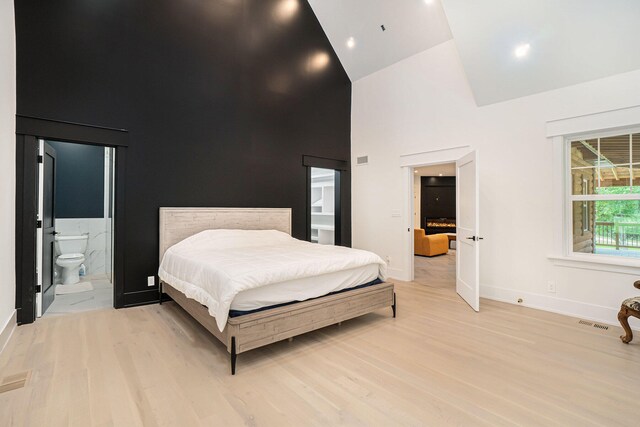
{"x": 411, "y": 26}
{"x": 569, "y": 41}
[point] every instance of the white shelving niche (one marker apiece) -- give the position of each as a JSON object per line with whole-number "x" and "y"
{"x": 323, "y": 182}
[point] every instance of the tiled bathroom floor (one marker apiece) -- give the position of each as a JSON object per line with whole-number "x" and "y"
{"x": 100, "y": 297}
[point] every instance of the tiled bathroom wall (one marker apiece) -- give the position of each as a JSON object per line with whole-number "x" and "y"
{"x": 98, "y": 254}
{"x": 108, "y": 246}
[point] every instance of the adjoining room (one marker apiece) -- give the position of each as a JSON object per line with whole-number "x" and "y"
{"x": 76, "y": 233}
{"x": 435, "y": 225}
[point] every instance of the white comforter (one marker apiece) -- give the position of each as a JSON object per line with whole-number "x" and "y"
{"x": 213, "y": 266}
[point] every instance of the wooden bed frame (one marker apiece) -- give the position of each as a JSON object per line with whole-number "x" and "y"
{"x": 244, "y": 333}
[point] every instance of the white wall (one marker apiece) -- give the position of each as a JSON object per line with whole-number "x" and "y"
{"x": 7, "y": 160}
{"x": 99, "y": 233}
{"x": 425, "y": 103}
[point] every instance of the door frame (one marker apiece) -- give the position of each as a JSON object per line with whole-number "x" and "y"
{"x": 28, "y": 131}
{"x": 342, "y": 203}
{"x": 408, "y": 163}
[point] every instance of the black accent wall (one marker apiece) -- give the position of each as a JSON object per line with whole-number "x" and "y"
{"x": 437, "y": 198}
{"x": 79, "y": 180}
{"x": 221, "y": 100}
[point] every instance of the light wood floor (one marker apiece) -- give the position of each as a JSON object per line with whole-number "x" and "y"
{"x": 436, "y": 272}
{"x": 438, "y": 363}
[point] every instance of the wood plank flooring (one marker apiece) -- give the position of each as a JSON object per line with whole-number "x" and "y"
{"x": 437, "y": 363}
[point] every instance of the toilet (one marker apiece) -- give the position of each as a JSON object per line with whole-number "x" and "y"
{"x": 71, "y": 256}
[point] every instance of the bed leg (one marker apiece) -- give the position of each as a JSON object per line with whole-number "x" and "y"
{"x": 233, "y": 355}
{"x": 394, "y": 306}
{"x": 160, "y": 289}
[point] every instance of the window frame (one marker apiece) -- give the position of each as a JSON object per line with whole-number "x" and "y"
{"x": 569, "y": 198}
{"x": 557, "y": 129}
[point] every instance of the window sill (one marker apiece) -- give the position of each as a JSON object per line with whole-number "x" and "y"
{"x": 598, "y": 263}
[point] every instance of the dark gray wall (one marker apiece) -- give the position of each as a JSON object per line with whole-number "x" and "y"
{"x": 79, "y": 180}
{"x": 221, "y": 99}
{"x": 438, "y": 198}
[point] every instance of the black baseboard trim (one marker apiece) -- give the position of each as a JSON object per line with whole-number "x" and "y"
{"x": 166, "y": 297}
{"x": 132, "y": 299}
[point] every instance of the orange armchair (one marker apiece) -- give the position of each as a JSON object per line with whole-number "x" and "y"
{"x": 431, "y": 245}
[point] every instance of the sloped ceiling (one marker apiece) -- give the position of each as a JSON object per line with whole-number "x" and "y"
{"x": 446, "y": 169}
{"x": 411, "y": 26}
{"x": 571, "y": 41}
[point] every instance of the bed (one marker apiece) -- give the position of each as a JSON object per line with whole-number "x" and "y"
{"x": 267, "y": 299}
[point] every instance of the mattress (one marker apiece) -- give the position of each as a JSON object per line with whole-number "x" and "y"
{"x": 303, "y": 289}
{"x": 237, "y": 313}
{"x": 248, "y": 269}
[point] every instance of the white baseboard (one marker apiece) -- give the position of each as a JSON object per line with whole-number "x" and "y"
{"x": 567, "y": 307}
{"x": 398, "y": 274}
{"x": 593, "y": 312}
{"x": 7, "y": 331}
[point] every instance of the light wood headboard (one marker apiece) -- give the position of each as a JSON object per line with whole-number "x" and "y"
{"x": 176, "y": 224}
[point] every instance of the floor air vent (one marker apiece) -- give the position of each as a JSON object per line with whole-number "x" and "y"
{"x": 595, "y": 325}
{"x": 13, "y": 382}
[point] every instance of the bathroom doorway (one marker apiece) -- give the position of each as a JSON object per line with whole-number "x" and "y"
{"x": 29, "y": 132}
{"x": 74, "y": 228}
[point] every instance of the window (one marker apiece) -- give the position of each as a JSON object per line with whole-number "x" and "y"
{"x": 586, "y": 221}
{"x": 604, "y": 195}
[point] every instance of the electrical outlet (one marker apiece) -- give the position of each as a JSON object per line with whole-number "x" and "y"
{"x": 151, "y": 281}
{"x": 551, "y": 286}
{"x": 388, "y": 259}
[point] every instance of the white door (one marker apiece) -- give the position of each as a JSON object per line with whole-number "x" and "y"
{"x": 467, "y": 218}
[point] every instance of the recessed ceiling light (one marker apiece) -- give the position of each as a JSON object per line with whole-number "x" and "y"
{"x": 439, "y": 174}
{"x": 351, "y": 42}
{"x": 318, "y": 61}
{"x": 428, "y": 1}
{"x": 522, "y": 50}
{"x": 415, "y": 171}
{"x": 286, "y": 9}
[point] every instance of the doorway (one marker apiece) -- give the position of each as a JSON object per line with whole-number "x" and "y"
{"x": 467, "y": 216}
{"x": 328, "y": 183}
{"x": 324, "y": 203}
{"x": 434, "y": 193}
{"x": 30, "y": 208}
{"x": 75, "y": 228}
